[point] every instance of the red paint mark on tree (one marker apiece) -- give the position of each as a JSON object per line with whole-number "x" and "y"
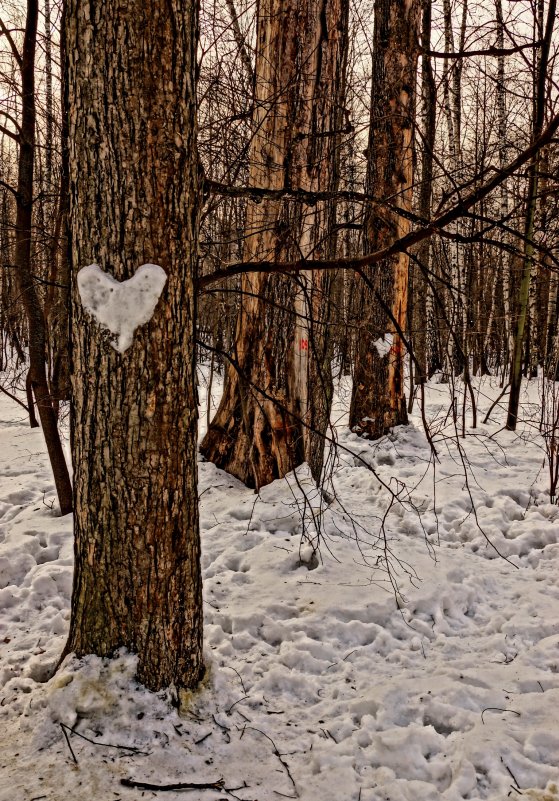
{"x": 304, "y": 344}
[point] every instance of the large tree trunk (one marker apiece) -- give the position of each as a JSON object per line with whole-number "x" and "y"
{"x": 261, "y": 429}
{"x": 133, "y": 199}
{"x": 378, "y": 400}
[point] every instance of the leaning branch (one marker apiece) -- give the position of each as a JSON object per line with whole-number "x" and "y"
{"x": 400, "y": 245}
{"x": 3, "y": 130}
{"x": 258, "y": 193}
{"x": 492, "y": 50}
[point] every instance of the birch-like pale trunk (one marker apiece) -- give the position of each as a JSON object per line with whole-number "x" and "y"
{"x": 502, "y": 273}
{"x": 530, "y": 213}
{"x": 535, "y": 329}
{"x": 550, "y": 314}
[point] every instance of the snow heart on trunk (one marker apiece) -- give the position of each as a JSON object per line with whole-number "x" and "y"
{"x": 121, "y": 307}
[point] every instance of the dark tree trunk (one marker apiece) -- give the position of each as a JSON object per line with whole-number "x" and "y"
{"x": 378, "y": 401}
{"x": 420, "y": 319}
{"x": 134, "y": 198}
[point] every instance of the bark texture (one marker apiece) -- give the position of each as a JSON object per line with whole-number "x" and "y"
{"x": 300, "y": 64}
{"x": 134, "y": 199}
{"x": 25, "y": 281}
{"x": 378, "y": 401}
{"x": 420, "y": 300}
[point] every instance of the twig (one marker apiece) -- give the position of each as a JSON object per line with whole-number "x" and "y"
{"x": 342, "y": 660}
{"x": 68, "y": 742}
{"x": 240, "y": 677}
{"x": 131, "y": 748}
{"x": 205, "y": 737}
{"x": 13, "y": 397}
{"x": 498, "y": 709}
{"x": 217, "y": 785}
{"x": 223, "y": 728}
{"x": 277, "y": 753}
{"x": 233, "y": 705}
{"x": 504, "y": 392}
{"x": 509, "y": 771}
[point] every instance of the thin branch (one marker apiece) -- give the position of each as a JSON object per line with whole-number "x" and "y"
{"x": 16, "y": 137}
{"x": 11, "y": 189}
{"x": 257, "y": 193}
{"x": 13, "y": 120}
{"x": 240, "y": 41}
{"x": 492, "y": 50}
{"x": 400, "y": 245}
{"x": 217, "y": 785}
{"x": 14, "y": 398}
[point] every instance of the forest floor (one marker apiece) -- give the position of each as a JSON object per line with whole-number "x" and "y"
{"x": 329, "y": 677}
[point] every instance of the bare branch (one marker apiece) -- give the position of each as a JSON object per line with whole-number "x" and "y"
{"x": 11, "y": 189}
{"x": 13, "y": 120}
{"x": 11, "y": 134}
{"x": 400, "y": 245}
{"x": 492, "y": 50}
{"x": 11, "y": 42}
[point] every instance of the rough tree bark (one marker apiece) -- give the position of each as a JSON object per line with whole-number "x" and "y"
{"x": 134, "y": 198}
{"x": 25, "y": 281}
{"x": 378, "y": 400}
{"x": 300, "y": 64}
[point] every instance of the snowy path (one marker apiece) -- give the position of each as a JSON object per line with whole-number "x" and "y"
{"x": 320, "y": 687}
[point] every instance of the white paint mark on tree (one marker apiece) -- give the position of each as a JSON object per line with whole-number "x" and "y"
{"x": 383, "y": 345}
{"x": 121, "y": 307}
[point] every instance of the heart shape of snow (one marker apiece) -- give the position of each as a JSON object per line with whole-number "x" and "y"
{"x": 121, "y": 307}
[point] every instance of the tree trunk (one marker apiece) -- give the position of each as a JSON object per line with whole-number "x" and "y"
{"x": 134, "y": 198}
{"x": 25, "y": 281}
{"x": 57, "y": 311}
{"x": 421, "y": 320}
{"x": 378, "y": 401}
{"x": 502, "y": 271}
{"x": 259, "y": 436}
{"x": 531, "y": 201}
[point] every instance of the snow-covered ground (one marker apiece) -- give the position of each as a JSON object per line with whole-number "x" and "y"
{"x": 330, "y": 678}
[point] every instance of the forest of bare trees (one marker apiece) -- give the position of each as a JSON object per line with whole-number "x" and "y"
{"x": 332, "y": 188}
